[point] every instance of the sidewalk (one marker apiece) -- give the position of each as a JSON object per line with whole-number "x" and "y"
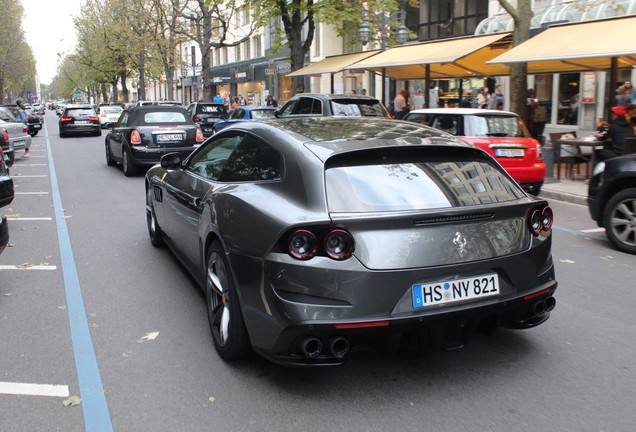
{"x": 574, "y": 191}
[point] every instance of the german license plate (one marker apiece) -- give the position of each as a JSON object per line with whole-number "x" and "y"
{"x": 37, "y": 126}
{"x": 170, "y": 137}
{"x": 509, "y": 152}
{"x": 457, "y": 290}
{"x": 20, "y": 143}
{"x": 82, "y": 122}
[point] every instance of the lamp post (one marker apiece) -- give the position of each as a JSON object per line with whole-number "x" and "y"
{"x": 402, "y": 35}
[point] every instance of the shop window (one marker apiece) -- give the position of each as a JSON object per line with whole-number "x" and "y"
{"x": 543, "y": 90}
{"x": 569, "y": 99}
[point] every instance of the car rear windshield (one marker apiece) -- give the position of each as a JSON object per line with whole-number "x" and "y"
{"x": 414, "y": 184}
{"x": 356, "y": 108}
{"x": 111, "y": 110}
{"x": 212, "y": 109}
{"x": 80, "y": 111}
{"x": 258, "y": 114}
{"x": 164, "y": 117}
{"x": 498, "y": 126}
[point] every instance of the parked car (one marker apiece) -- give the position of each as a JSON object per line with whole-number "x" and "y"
{"x": 34, "y": 122}
{"x": 316, "y": 236}
{"x": 79, "y": 119}
{"x": 500, "y": 133}
{"x": 143, "y": 134}
{"x": 109, "y": 114}
{"x": 245, "y": 113}
{"x": 612, "y": 200}
{"x": 13, "y": 135}
{"x": 316, "y": 104}
{"x": 206, "y": 115}
{"x": 6, "y": 196}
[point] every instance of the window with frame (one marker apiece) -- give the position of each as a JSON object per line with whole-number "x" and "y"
{"x": 258, "y": 46}
{"x": 568, "y": 109}
{"x": 237, "y": 53}
{"x": 210, "y": 160}
{"x": 252, "y": 160}
{"x": 248, "y": 49}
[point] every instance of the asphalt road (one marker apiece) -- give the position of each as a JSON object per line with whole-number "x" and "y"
{"x": 83, "y": 293}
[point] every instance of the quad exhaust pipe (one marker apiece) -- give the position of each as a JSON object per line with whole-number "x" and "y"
{"x": 311, "y": 346}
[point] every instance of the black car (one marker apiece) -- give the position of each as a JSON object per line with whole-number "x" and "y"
{"x": 79, "y": 119}
{"x": 6, "y": 196}
{"x": 612, "y": 200}
{"x": 332, "y": 105}
{"x": 314, "y": 237}
{"x": 145, "y": 133}
{"x": 206, "y": 114}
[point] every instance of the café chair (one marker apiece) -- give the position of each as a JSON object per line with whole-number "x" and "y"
{"x": 567, "y": 155}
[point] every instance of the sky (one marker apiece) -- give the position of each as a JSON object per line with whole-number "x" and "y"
{"x": 48, "y": 27}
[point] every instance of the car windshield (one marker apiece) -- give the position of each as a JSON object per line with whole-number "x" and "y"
{"x": 258, "y": 114}
{"x": 164, "y": 117}
{"x": 498, "y": 126}
{"x": 405, "y": 185}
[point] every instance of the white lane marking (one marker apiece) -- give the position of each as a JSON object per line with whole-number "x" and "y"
{"x": 14, "y": 166}
{"x": 593, "y": 230}
{"x": 27, "y": 389}
{"x": 19, "y": 176}
{"x": 18, "y": 219}
{"x": 28, "y": 267}
{"x": 31, "y": 193}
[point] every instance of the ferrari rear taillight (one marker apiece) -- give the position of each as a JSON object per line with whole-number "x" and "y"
{"x": 199, "y": 135}
{"x": 135, "y": 137}
{"x": 540, "y": 220}
{"x": 336, "y": 243}
{"x": 302, "y": 244}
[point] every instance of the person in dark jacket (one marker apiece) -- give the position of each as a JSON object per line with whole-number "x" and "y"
{"x": 619, "y": 129}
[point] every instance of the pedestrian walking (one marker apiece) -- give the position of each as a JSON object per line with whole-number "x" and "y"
{"x": 497, "y": 98}
{"x": 418, "y": 100}
{"x": 22, "y": 118}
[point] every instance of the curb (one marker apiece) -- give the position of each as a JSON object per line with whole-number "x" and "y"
{"x": 564, "y": 196}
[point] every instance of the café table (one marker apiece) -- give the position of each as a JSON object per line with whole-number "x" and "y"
{"x": 577, "y": 144}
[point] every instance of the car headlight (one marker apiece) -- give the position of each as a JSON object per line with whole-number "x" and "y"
{"x": 599, "y": 168}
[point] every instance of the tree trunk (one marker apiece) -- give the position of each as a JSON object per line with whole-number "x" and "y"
{"x": 141, "y": 85}
{"x": 105, "y": 95}
{"x": 297, "y": 58}
{"x": 124, "y": 87}
{"x": 115, "y": 91}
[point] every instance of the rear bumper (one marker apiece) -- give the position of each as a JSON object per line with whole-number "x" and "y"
{"x": 151, "y": 156}
{"x": 70, "y": 129}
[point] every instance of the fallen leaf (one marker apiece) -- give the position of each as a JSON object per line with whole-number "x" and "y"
{"x": 25, "y": 265}
{"x": 11, "y": 245}
{"x": 7, "y": 294}
{"x": 606, "y": 257}
{"x": 72, "y": 401}
{"x": 567, "y": 261}
{"x": 67, "y": 217}
{"x": 61, "y": 307}
{"x": 150, "y": 336}
{"x": 211, "y": 399}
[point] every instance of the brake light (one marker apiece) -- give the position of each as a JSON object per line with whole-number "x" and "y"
{"x": 5, "y": 135}
{"x": 540, "y": 220}
{"x": 25, "y": 129}
{"x": 93, "y": 118}
{"x": 135, "y": 138}
{"x": 199, "y": 135}
{"x": 196, "y": 118}
{"x": 336, "y": 243}
{"x": 66, "y": 119}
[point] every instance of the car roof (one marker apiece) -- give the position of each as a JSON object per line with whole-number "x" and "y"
{"x": 462, "y": 111}
{"x": 79, "y": 106}
{"x": 326, "y": 136}
{"x": 334, "y": 96}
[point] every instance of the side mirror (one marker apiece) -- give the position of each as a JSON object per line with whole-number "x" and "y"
{"x": 171, "y": 161}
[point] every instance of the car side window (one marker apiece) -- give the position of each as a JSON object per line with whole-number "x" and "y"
{"x": 210, "y": 160}
{"x": 123, "y": 119}
{"x": 307, "y": 105}
{"x": 446, "y": 123}
{"x": 253, "y": 160}
{"x": 288, "y": 108}
{"x": 190, "y": 109}
{"x": 237, "y": 113}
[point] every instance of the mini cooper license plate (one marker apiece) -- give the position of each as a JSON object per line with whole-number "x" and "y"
{"x": 456, "y": 290}
{"x": 509, "y": 152}
{"x": 170, "y": 137}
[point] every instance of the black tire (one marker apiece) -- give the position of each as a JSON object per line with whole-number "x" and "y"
{"x": 619, "y": 220}
{"x": 154, "y": 231}
{"x": 126, "y": 163}
{"x": 98, "y": 133}
{"x": 224, "y": 310}
{"x": 33, "y": 133}
{"x": 109, "y": 157}
{"x": 10, "y": 159}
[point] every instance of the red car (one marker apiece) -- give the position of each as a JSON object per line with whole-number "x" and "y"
{"x": 500, "y": 133}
